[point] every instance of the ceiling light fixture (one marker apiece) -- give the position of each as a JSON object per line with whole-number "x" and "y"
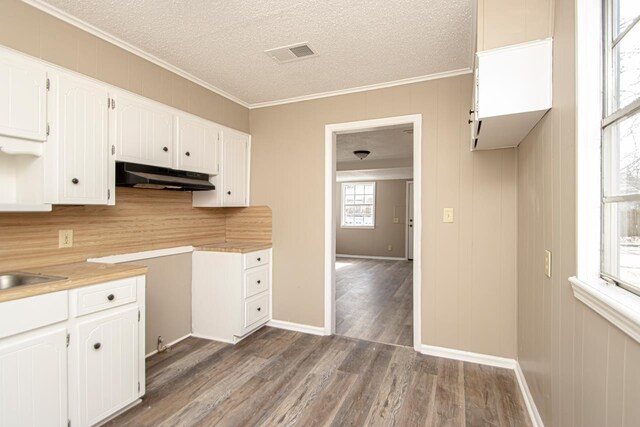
{"x": 361, "y": 154}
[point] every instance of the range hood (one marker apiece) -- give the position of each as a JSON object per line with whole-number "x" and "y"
{"x": 157, "y": 178}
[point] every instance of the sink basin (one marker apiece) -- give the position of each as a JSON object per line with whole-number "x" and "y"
{"x": 12, "y": 280}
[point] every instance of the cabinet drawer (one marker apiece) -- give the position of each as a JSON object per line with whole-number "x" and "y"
{"x": 256, "y": 280}
{"x": 256, "y": 309}
{"x": 254, "y": 259}
{"x": 25, "y": 314}
{"x": 108, "y": 295}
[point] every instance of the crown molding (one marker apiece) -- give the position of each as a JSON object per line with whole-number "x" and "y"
{"x": 76, "y": 22}
{"x": 393, "y": 83}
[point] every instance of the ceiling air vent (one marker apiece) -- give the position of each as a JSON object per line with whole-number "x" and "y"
{"x": 293, "y": 52}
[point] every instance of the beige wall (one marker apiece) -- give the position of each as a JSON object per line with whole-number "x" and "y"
{"x": 505, "y": 22}
{"x": 391, "y": 200}
{"x": 582, "y": 371}
{"x": 469, "y": 267}
{"x": 27, "y": 29}
{"x": 168, "y": 298}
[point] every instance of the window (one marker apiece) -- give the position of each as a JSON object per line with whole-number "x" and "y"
{"x": 621, "y": 144}
{"x": 359, "y": 204}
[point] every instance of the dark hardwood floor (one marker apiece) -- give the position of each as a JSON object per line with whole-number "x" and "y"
{"x": 277, "y": 377}
{"x": 374, "y": 300}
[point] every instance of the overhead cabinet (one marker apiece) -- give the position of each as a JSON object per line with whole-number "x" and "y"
{"x": 76, "y": 151}
{"x": 143, "y": 131}
{"x": 232, "y": 181}
{"x": 197, "y": 144}
{"x": 513, "y": 90}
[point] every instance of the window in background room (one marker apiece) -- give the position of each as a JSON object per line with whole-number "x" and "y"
{"x": 621, "y": 145}
{"x": 358, "y": 204}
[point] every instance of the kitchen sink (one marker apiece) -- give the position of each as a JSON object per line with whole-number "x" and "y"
{"x": 12, "y": 280}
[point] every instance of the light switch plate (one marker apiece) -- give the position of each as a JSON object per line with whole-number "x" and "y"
{"x": 547, "y": 263}
{"x": 396, "y": 220}
{"x": 447, "y": 215}
{"x": 65, "y": 238}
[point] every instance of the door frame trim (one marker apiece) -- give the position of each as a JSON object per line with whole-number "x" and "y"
{"x": 406, "y": 223}
{"x": 330, "y": 219}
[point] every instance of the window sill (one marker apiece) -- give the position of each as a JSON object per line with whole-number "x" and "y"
{"x": 359, "y": 227}
{"x": 620, "y": 307}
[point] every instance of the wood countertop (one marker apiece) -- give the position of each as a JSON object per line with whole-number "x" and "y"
{"x": 77, "y": 275}
{"x": 234, "y": 247}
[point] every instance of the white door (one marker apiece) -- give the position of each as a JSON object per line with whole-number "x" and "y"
{"x": 197, "y": 145}
{"x": 235, "y": 163}
{"x": 409, "y": 220}
{"x": 33, "y": 378}
{"x": 107, "y": 368}
{"x": 82, "y": 132}
{"x": 23, "y": 98}
{"x": 143, "y": 131}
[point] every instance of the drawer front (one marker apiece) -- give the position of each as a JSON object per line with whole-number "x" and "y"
{"x": 254, "y": 259}
{"x": 29, "y": 313}
{"x": 256, "y": 281}
{"x": 105, "y": 296}
{"x": 256, "y": 309}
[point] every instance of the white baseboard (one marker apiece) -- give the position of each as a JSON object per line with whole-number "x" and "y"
{"x": 390, "y": 258}
{"x": 536, "y": 420}
{"x": 169, "y": 344}
{"x": 499, "y": 362}
{"x": 468, "y": 356}
{"x": 297, "y": 327}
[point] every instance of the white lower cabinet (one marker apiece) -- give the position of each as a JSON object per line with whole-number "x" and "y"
{"x": 231, "y": 294}
{"x": 106, "y": 372}
{"x": 33, "y": 378}
{"x": 72, "y": 357}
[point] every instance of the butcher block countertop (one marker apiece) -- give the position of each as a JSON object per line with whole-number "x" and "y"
{"x": 234, "y": 247}
{"x": 77, "y": 275}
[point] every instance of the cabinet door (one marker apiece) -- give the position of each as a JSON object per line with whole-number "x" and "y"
{"x": 33, "y": 378}
{"x": 83, "y": 145}
{"x": 235, "y": 161}
{"x": 107, "y": 366}
{"x": 197, "y": 145}
{"x": 23, "y": 98}
{"x": 143, "y": 131}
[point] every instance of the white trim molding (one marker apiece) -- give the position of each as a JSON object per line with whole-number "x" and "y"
{"x": 390, "y": 258}
{"x": 468, "y": 356}
{"x": 620, "y": 307}
{"x": 138, "y": 256}
{"x": 532, "y": 409}
{"x": 331, "y": 130}
{"x": 424, "y": 78}
{"x": 296, "y": 327}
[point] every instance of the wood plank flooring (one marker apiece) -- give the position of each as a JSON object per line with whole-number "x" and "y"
{"x": 374, "y": 300}
{"x": 278, "y": 377}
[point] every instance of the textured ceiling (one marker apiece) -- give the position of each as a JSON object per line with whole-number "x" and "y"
{"x": 360, "y": 42}
{"x": 386, "y": 144}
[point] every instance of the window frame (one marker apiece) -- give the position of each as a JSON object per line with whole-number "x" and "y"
{"x": 611, "y": 117}
{"x": 343, "y": 204}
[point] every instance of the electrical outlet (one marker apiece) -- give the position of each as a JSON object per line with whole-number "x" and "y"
{"x": 389, "y": 248}
{"x": 547, "y": 263}
{"x": 447, "y": 215}
{"x": 396, "y": 220}
{"x": 65, "y": 238}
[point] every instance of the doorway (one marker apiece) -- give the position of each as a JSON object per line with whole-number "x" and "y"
{"x": 398, "y": 280}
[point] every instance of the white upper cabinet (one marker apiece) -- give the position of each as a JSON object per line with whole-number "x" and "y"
{"x": 77, "y": 149}
{"x": 197, "y": 144}
{"x": 23, "y": 98}
{"x": 232, "y": 183}
{"x": 513, "y": 90}
{"x": 235, "y": 154}
{"x": 142, "y": 131}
